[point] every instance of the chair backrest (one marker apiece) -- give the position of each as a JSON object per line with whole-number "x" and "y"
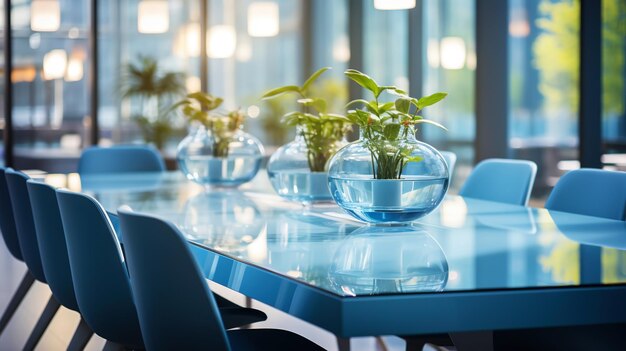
{"x": 450, "y": 160}
{"x": 23, "y": 214}
{"x": 501, "y": 180}
{"x": 7, "y": 220}
{"x": 176, "y": 308}
{"x": 120, "y": 159}
{"x": 51, "y": 240}
{"x": 590, "y": 192}
{"x": 98, "y": 271}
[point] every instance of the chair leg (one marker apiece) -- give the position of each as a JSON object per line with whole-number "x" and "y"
{"x": 417, "y": 342}
{"x": 81, "y": 337}
{"x": 42, "y": 324}
{"x": 17, "y": 298}
{"x": 112, "y": 346}
{"x": 343, "y": 344}
{"x": 473, "y": 341}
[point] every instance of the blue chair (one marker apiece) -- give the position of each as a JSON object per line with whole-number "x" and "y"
{"x": 25, "y": 226}
{"x": 177, "y": 311}
{"x": 120, "y": 159}
{"x": 500, "y": 180}
{"x": 53, "y": 250}
{"x": 9, "y": 234}
{"x": 590, "y": 192}
{"x": 106, "y": 302}
{"x": 98, "y": 271}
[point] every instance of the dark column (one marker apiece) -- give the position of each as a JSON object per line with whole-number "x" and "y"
{"x": 306, "y": 16}
{"x": 204, "y": 59}
{"x": 492, "y": 84}
{"x": 93, "y": 73}
{"x": 590, "y": 103}
{"x": 8, "y": 87}
{"x": 416, "y": 52}
{"x": 355, "y": 33}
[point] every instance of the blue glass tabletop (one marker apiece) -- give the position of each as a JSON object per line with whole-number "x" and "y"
{"x": 465, "y": 245}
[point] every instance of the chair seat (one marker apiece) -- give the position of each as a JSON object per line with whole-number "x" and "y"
{"x": 268, "y": 339}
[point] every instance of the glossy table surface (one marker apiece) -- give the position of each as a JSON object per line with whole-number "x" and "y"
{"x": 470, "y": 265}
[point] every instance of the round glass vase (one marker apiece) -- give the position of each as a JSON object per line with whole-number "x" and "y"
{"x": 375, "y": 194}
{"x": 231, "y": 166}
{"x": 290, "y": 172}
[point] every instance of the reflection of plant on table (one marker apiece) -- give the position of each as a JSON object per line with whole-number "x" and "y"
{"x": 198, "y": 106}
{"x": 321, "y": 131}
{"x": 386, "y": 126}
{"x": 154, "y": 90}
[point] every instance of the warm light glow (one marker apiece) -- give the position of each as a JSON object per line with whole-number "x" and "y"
{"x": 74, "y": 69}
{"x": 244, "y": 51}
{"x": 23, "y": 74}
{"x": 518, "y": 25}
{"x": 221, "y": 41}
{"x": 394, "y": 4}
{"x": 471, "y": 60}
{"x": 263, "y": 19}
{"x": 432, "y": 53}
{"x": 193, "y": 84}
{"x": 453, "y": 212}
{"x": 253, "y": 111}
{"x": 54, "y": 64}
{"x": 153, "y": 17}
{"x": 452, "y": 53}
{"x": 45, "y": 15}
{"x": 341, "y": 49}
{"x": 56, "y": 180}
{"x": 187, "y": 43}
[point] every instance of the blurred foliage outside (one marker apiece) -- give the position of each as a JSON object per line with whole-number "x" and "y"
{"x": 556, "y": 55}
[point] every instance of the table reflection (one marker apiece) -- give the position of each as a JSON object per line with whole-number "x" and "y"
{"x": 591, "y": 230}
{"x": 225, "y": 220}
{"x": 383, "y": 260}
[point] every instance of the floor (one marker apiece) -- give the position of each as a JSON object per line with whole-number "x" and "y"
{"x": 61, "y": 329}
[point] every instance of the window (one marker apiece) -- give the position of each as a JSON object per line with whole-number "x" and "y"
{"x": 50, "y": 96}
{"x": 130, "y": 34}
{"x": 613, "y": 80}
{"x": 544, "y": 85}
{"x": 449, "y": 43}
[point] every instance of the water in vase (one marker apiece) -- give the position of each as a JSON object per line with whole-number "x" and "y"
{"x": 231, "y": 171}
{"x": 380, "y": 200}
{"x": 301, "y": 185}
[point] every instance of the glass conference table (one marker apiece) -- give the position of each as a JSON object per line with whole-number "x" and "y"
{"x": 471, "y": 265}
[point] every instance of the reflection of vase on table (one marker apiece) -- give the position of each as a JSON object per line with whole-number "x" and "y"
{"x": 384, "y": 260}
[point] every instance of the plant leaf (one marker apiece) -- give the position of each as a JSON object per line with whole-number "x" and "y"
{"x": 430, "y": 100}
{"x": 403, "y": 104}
{"x": 430, "y": 122}
{"x": 313, "y": 78}
{"x": 357, "y": 101}
{"x": 281, "y": 90}
{"x": 363, "y": 80}
{"x": 382, "y": 108}
{"x": 391, "y": 131}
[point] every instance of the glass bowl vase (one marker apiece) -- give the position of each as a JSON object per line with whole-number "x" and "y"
{"x": 236, "y": 163}
{"x": 358, "y": 183}
{"x": 290, "y": 173}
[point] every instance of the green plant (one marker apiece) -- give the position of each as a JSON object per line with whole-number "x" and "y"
{"x": 198, "y": 106}
{"x": 154, "y": 90}
{"x": 320, "y": 129}
{"x": 386, "y": 126}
